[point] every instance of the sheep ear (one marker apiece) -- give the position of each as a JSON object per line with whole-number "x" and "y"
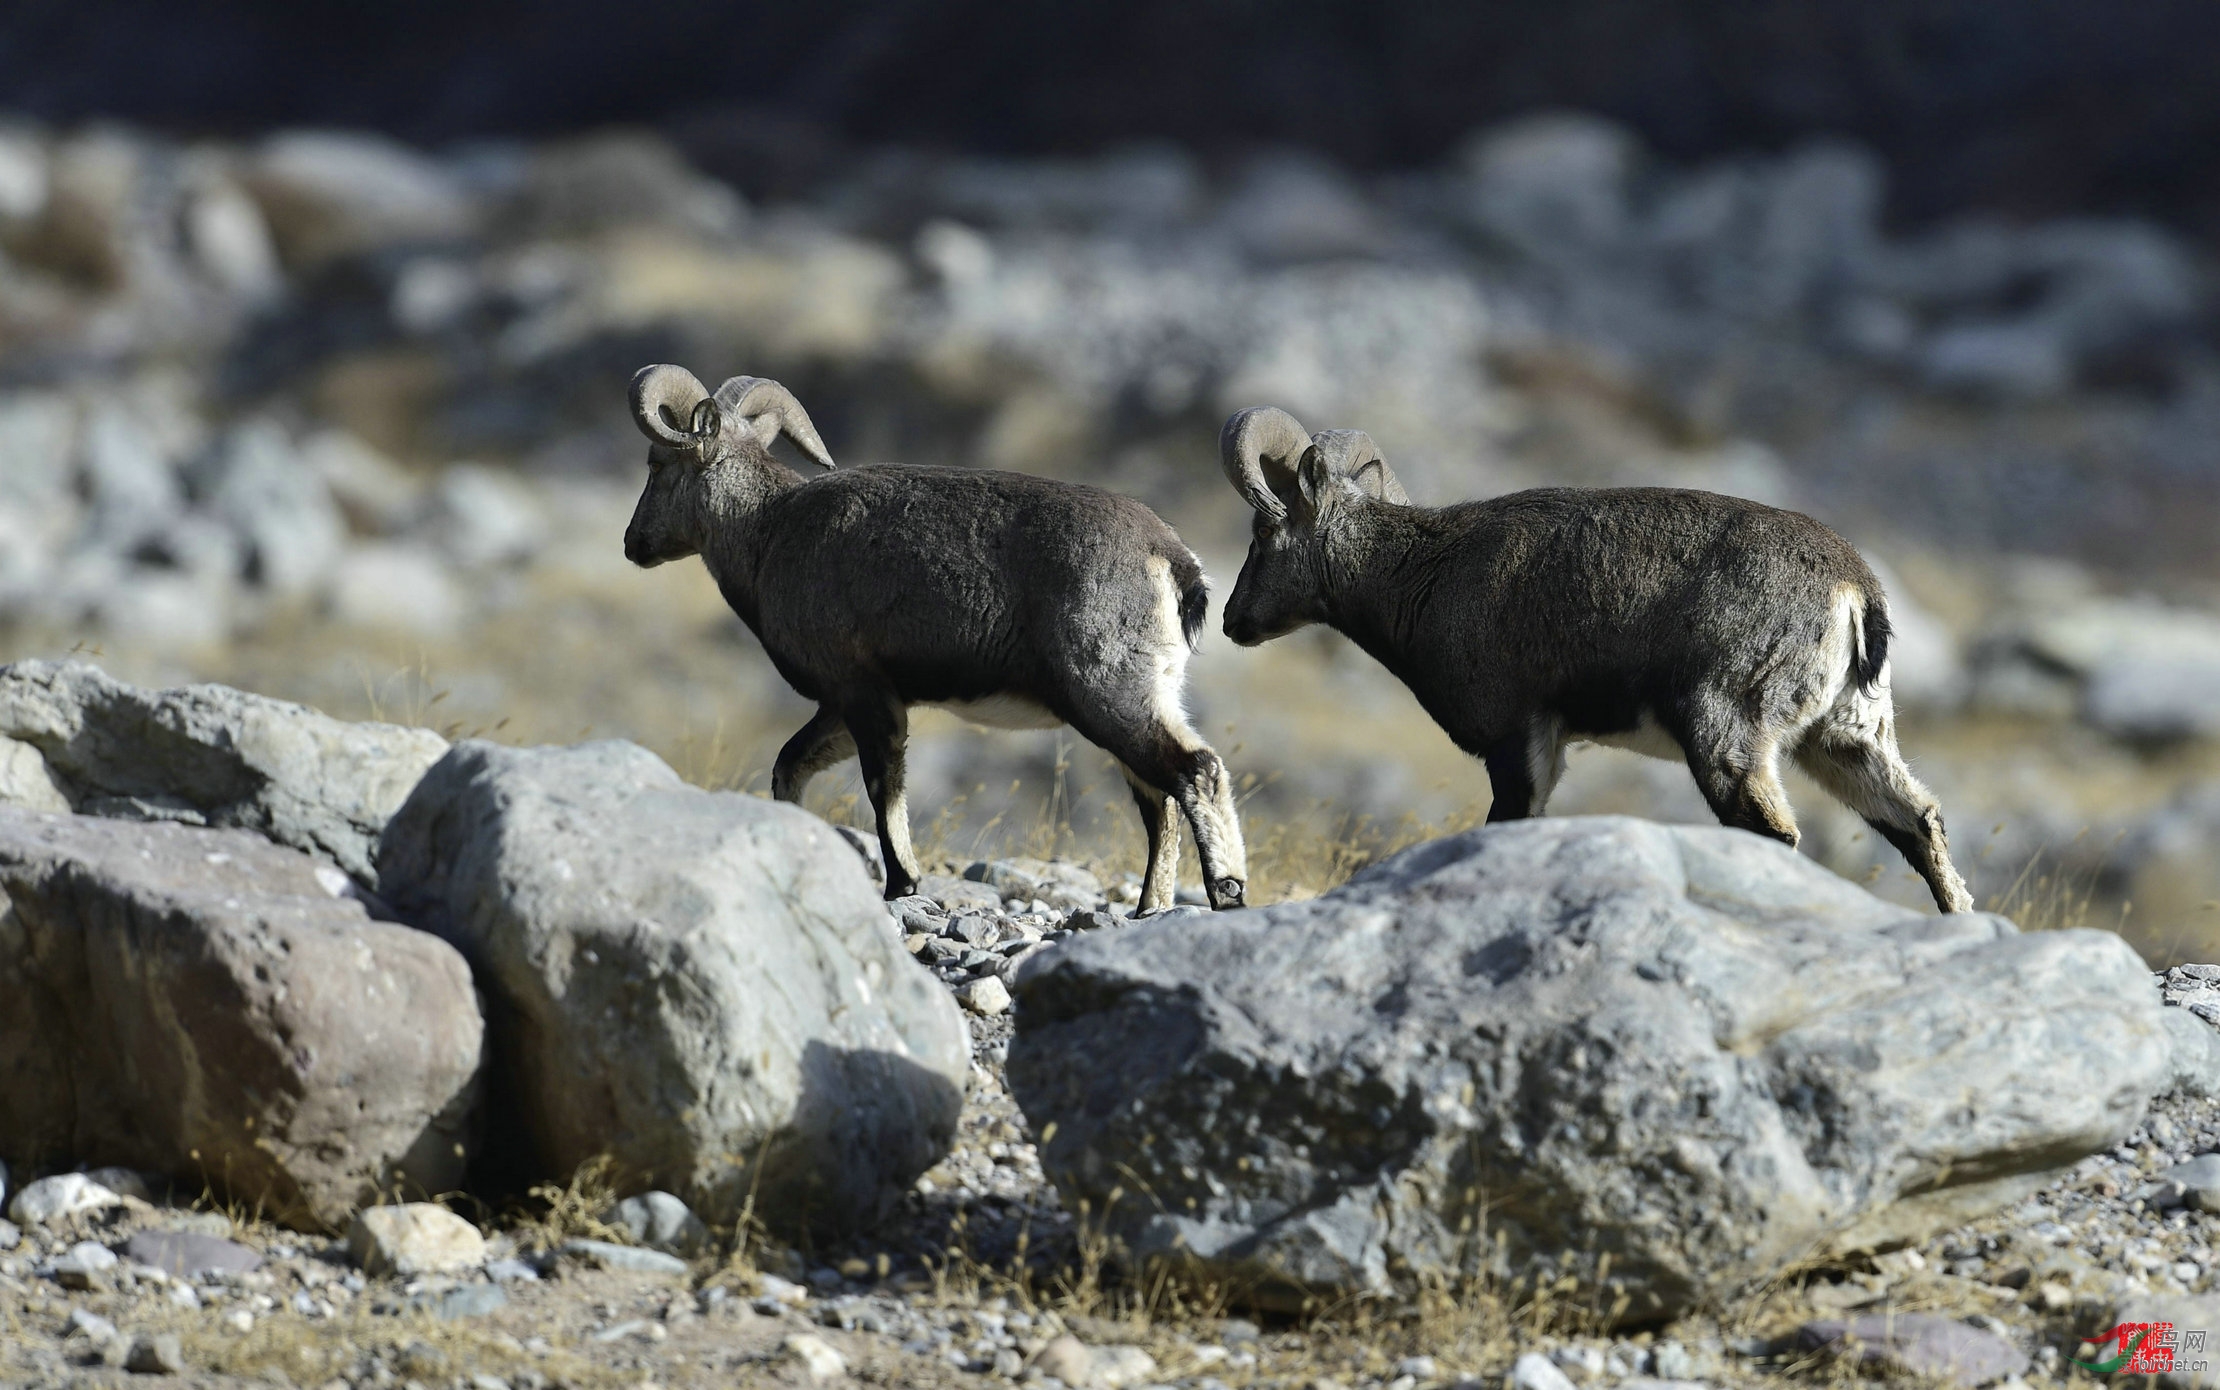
{"x": 1314, "y": 482}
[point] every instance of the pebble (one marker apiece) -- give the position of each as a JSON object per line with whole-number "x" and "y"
{"x": 90, "y": 1326}
{"x": 124, "y": 1182}
{"x": 815, "y": 1356}
{"x": 1585, "y": 1362}
{"x": 957, "y": 895}
{"x": 1120, "y": 1365}
{"x": 511, "y": 1272}
{"x": 918, "y": 914}
{"x": 462, "y": 1301}
{"x": 2195, "y": 1184}
{"x": 188, "y": 1252}
{"x": 414, "y": 1238}
{"x": 58, "y": 1198}
{"x": 973, "y": 929}
{"x": 1921, "y": 1344}
{"x": 660, "y": 1221}
{"x": 156, "y": 1355}
{"x": 1534, "y": 1371}
{"x": 986, "y": 996}
{"x": 1672, "y": 1361}
{"x": 608, "y": 1255}
{"x": 10, "y": 1235}
{"x": 86, "y": 1266}
{"x": 770, "y": 1288}
{"x": 1067, "y": 1359}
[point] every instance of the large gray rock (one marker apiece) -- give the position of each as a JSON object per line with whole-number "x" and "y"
{"x": 328, "y": 194}
{"x": 1684, "y": 1048}
{"x": 289, "y": 529}
{"x": 206, "y": 755}
{"x": 201, "y": 1003}
{"x": 703, "y": 986}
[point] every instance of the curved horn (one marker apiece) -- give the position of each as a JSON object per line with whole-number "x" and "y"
{"x": 1258, "y": 447}
{"x": 666, "y": 404}
{"x": 771, "y": 410}
{"x": 1351, "y": 454}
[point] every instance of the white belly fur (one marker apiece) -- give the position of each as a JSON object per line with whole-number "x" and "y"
{"x": 1001, "y": 712}
{"x": 1647, "y": 738}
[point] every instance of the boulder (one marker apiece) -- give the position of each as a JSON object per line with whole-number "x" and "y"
{"x": 327, "y": 194}
{"x": 202, "y": 1004}
{"x": 1553, "y": 184}
{"x": 401, "y": 586}
{"x": 618, "y": 180}
{"x": 1538, "y": 1045}
{"x": 702, "y": 986}
{"x": 290, "y": 531}
{"x": 206, "y": 755}
{"x": 2147, "y": 670}
{"x": 2166, "y": 861}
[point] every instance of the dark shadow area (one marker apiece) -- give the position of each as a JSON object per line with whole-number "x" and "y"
{"x": 2025, "y": 109}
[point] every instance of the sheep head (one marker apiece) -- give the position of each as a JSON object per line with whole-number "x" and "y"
{"x": 703, "y": 447}
{"x": 1294, "y": 484}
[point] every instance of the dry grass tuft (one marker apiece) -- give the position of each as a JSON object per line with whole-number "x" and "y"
{"x": 572, "y": 1210}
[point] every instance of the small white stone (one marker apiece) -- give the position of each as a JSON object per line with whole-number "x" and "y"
{"x": 58, "y": 1198}
{"x": 1117, "y": 1366}
{"x": 986, "y": 996}
{"x": 1535, "y": 1371}
{"x": 414, "y": 1238}
{"x": 91, "y": 1326}
{"x": 1583, "y": 1362}
{"x": 815, "y": 1356}
{"x": 779, "y": 1290}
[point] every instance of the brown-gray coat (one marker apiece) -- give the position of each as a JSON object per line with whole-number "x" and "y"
{"x": 1676, "y": 623}
{"x": 1014, "y": 601}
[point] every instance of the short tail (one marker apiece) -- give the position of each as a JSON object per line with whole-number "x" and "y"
{"x": 1870, "y": 655}
{"x": 1194, "y": 596}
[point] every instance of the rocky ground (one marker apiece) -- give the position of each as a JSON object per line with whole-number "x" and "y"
{"x": 342, "y": 421}
{"x": 983, "y": 1276}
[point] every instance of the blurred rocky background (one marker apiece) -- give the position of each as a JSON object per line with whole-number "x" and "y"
{"x": 315, "y": 327}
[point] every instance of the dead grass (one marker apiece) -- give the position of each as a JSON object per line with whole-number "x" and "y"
{"x": 572, "y": 1210}
{"x": 422, "y": 1347}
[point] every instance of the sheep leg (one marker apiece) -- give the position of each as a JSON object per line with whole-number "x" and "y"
{"x": 881, "y": 730}
{"x": 1857, "y": 761}
{"x": 1737, "y": 768}
{"x": 1510, "y": 779}
{"x": 1163, "y": 752}
{"x": 1158, "y": 818}
{"x": 817, "y": 745}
